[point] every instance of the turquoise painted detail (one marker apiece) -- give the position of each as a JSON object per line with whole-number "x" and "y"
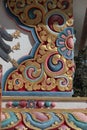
{"x": 79, "y": 124}
{"x": 42, "y": 125}
{"x": 53, "y": 67}
{"x": 13, "y": 118}
{"x": 35, "y": 70}
{"x": 31, "y": 13}
{"x": 47, "y": 104}
{"x": 15, "y": 104}
{"x": 68, "y": 53}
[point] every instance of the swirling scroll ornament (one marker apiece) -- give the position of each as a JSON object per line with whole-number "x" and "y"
{"x": 29, "y": 15}
{"x": 25, "y": 77}
{"x": 49, "y": 67}
{"x": 56, "y": 21}
{"x": 64, "y": 83}
{"x": 55, "y": 65}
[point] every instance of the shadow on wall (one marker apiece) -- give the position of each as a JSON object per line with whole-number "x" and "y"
{"x": 79, "y": 14}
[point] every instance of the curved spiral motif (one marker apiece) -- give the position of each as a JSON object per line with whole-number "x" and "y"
{"x": 56, "y": 21}
{"x": 61, "y": 4}
{"x": 55, "y": 65}
{"x": 20, "y": 4}
{"x": 29, "y": 14}
{"x": 33, "y": 72}
{"x": 64, "y": 4}
{"x": 48, "y": 84}
{"x": 64, "y": 83}
{"x": 51, "y": 4}
{"x": 32, "y": 15}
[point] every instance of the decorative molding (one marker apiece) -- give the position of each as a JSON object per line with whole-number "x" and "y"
{"x": 59, "y": 99}
{"x": 46, "y": 119}
{"x": 48, "y": 69}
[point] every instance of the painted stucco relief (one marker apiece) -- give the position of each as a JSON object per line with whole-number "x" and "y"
{"x": 49, "y": 67}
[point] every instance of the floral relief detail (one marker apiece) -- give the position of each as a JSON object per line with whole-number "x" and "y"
{"x": 65, "y": 43}
{"x": 48, "y": 67}
{"x": 31, "y": 104}
{"x": 16, "y": 83}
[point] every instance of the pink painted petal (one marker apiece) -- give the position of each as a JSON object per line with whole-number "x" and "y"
{"x": 64, "y": 127}
{"x": 63, "y": 48}
{"x": 41, "y": 116}
{"x": 81, "y": 116}
{"x": 3, "y": 117}
{"x": 61, "y": 43}
{"x": 70, "y": 43}
{"x": 29, "y": 72}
